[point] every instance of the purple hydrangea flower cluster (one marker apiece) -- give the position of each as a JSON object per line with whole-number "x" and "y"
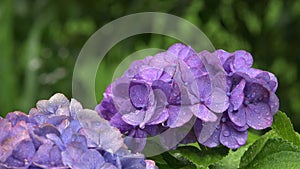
{"x": 60, "y": 134}
{"x": 220, "y": 89}
{"x": 252, "y": 100}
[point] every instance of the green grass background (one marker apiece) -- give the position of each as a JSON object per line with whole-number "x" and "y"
{"x": 40, "y": 40}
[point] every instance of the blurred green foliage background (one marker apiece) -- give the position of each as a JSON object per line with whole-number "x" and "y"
{"x": 40, "y": 40}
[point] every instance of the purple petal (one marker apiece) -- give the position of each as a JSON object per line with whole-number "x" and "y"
{"x": 205, "y": 114}
{"x": 46, "y": 129}
{"x": 119, "y": 123}
{"x": 120, "y": 88}
{"x": 106, "y": 108}
{"x": 212, "y": 140}
{"x": 139, "y": 94}
{"x": 58, "y": 141}
{"x": 108, "y": 166}
{"x": 184, "y": 75}
{"x": 48, "y": 155}
{"x": 164, "y": 61}
{"x": 178, "y": 116}
{"x": 228, "y": 65}
{"x": 160, "y": 112}
{"x": 163, "y": 86}
{"x": 175, "y": 96}
{"x": 242, "y": 59}
{"x": 238, "y": 117}
{"x": 189, "y": 138}
{"x": 74, "y": 107}
{"x": 56, "y": 101}
{"x": 237, "y": 95}
{"x": 259, "y": 116}
{"x": 98, "y": 131}
{"x": 204, "y": 86}
{"x": 5, "y": 128}
{"x": 92, "y": 159}
{"x": 150, "y": 74}
{"x": 15, "y": 117}
{"x": 25, "y": 150}
{"x": 222, "y": 55}
{"x": 136, "y": 141}
{"x": 218, "y": 102}
{"x": 232, "y": 138}
{"x": 72, "y": 154}
{"x": 274, "y": 103}
{"x": 176, "y": 48}
{"x": 185, "y": 52}
{"x": 134, "y": 118}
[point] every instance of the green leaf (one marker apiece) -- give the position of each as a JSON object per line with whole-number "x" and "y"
{"x": 232, "y": 160}
{"x": 275, "y": 154}
{"x": 284, "y": 128}
{"x": 200, "y": 158}
{"x": 255, "y": 148}
{"x": 188, "y": 167}
{"x": 174, "y": 162}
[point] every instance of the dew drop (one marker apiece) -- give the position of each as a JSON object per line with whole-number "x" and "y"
{"x": 110, "y": 150}
{"x": 240, "y": 141}
{"x": 26, "y": 162}
{"x": 166, "y": 104}
{"x": 246, "y": 102}
{"x": 202, "y": 100}
{"x": 223, "y": 119}
{"x": 226, "y": 133}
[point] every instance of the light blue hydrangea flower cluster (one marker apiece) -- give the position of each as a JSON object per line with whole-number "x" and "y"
{"x": 61, "y": 134}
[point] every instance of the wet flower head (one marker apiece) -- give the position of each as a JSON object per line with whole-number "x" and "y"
{"x": 220, "y": 90}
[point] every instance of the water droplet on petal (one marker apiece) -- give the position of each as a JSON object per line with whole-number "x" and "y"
{"x": 240, "y": 141}
{"x": 246, "y": 102}
{"x": 226, "y": 133}
{"x": 166, "y": 104}
{"x": 223, "y": 119}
